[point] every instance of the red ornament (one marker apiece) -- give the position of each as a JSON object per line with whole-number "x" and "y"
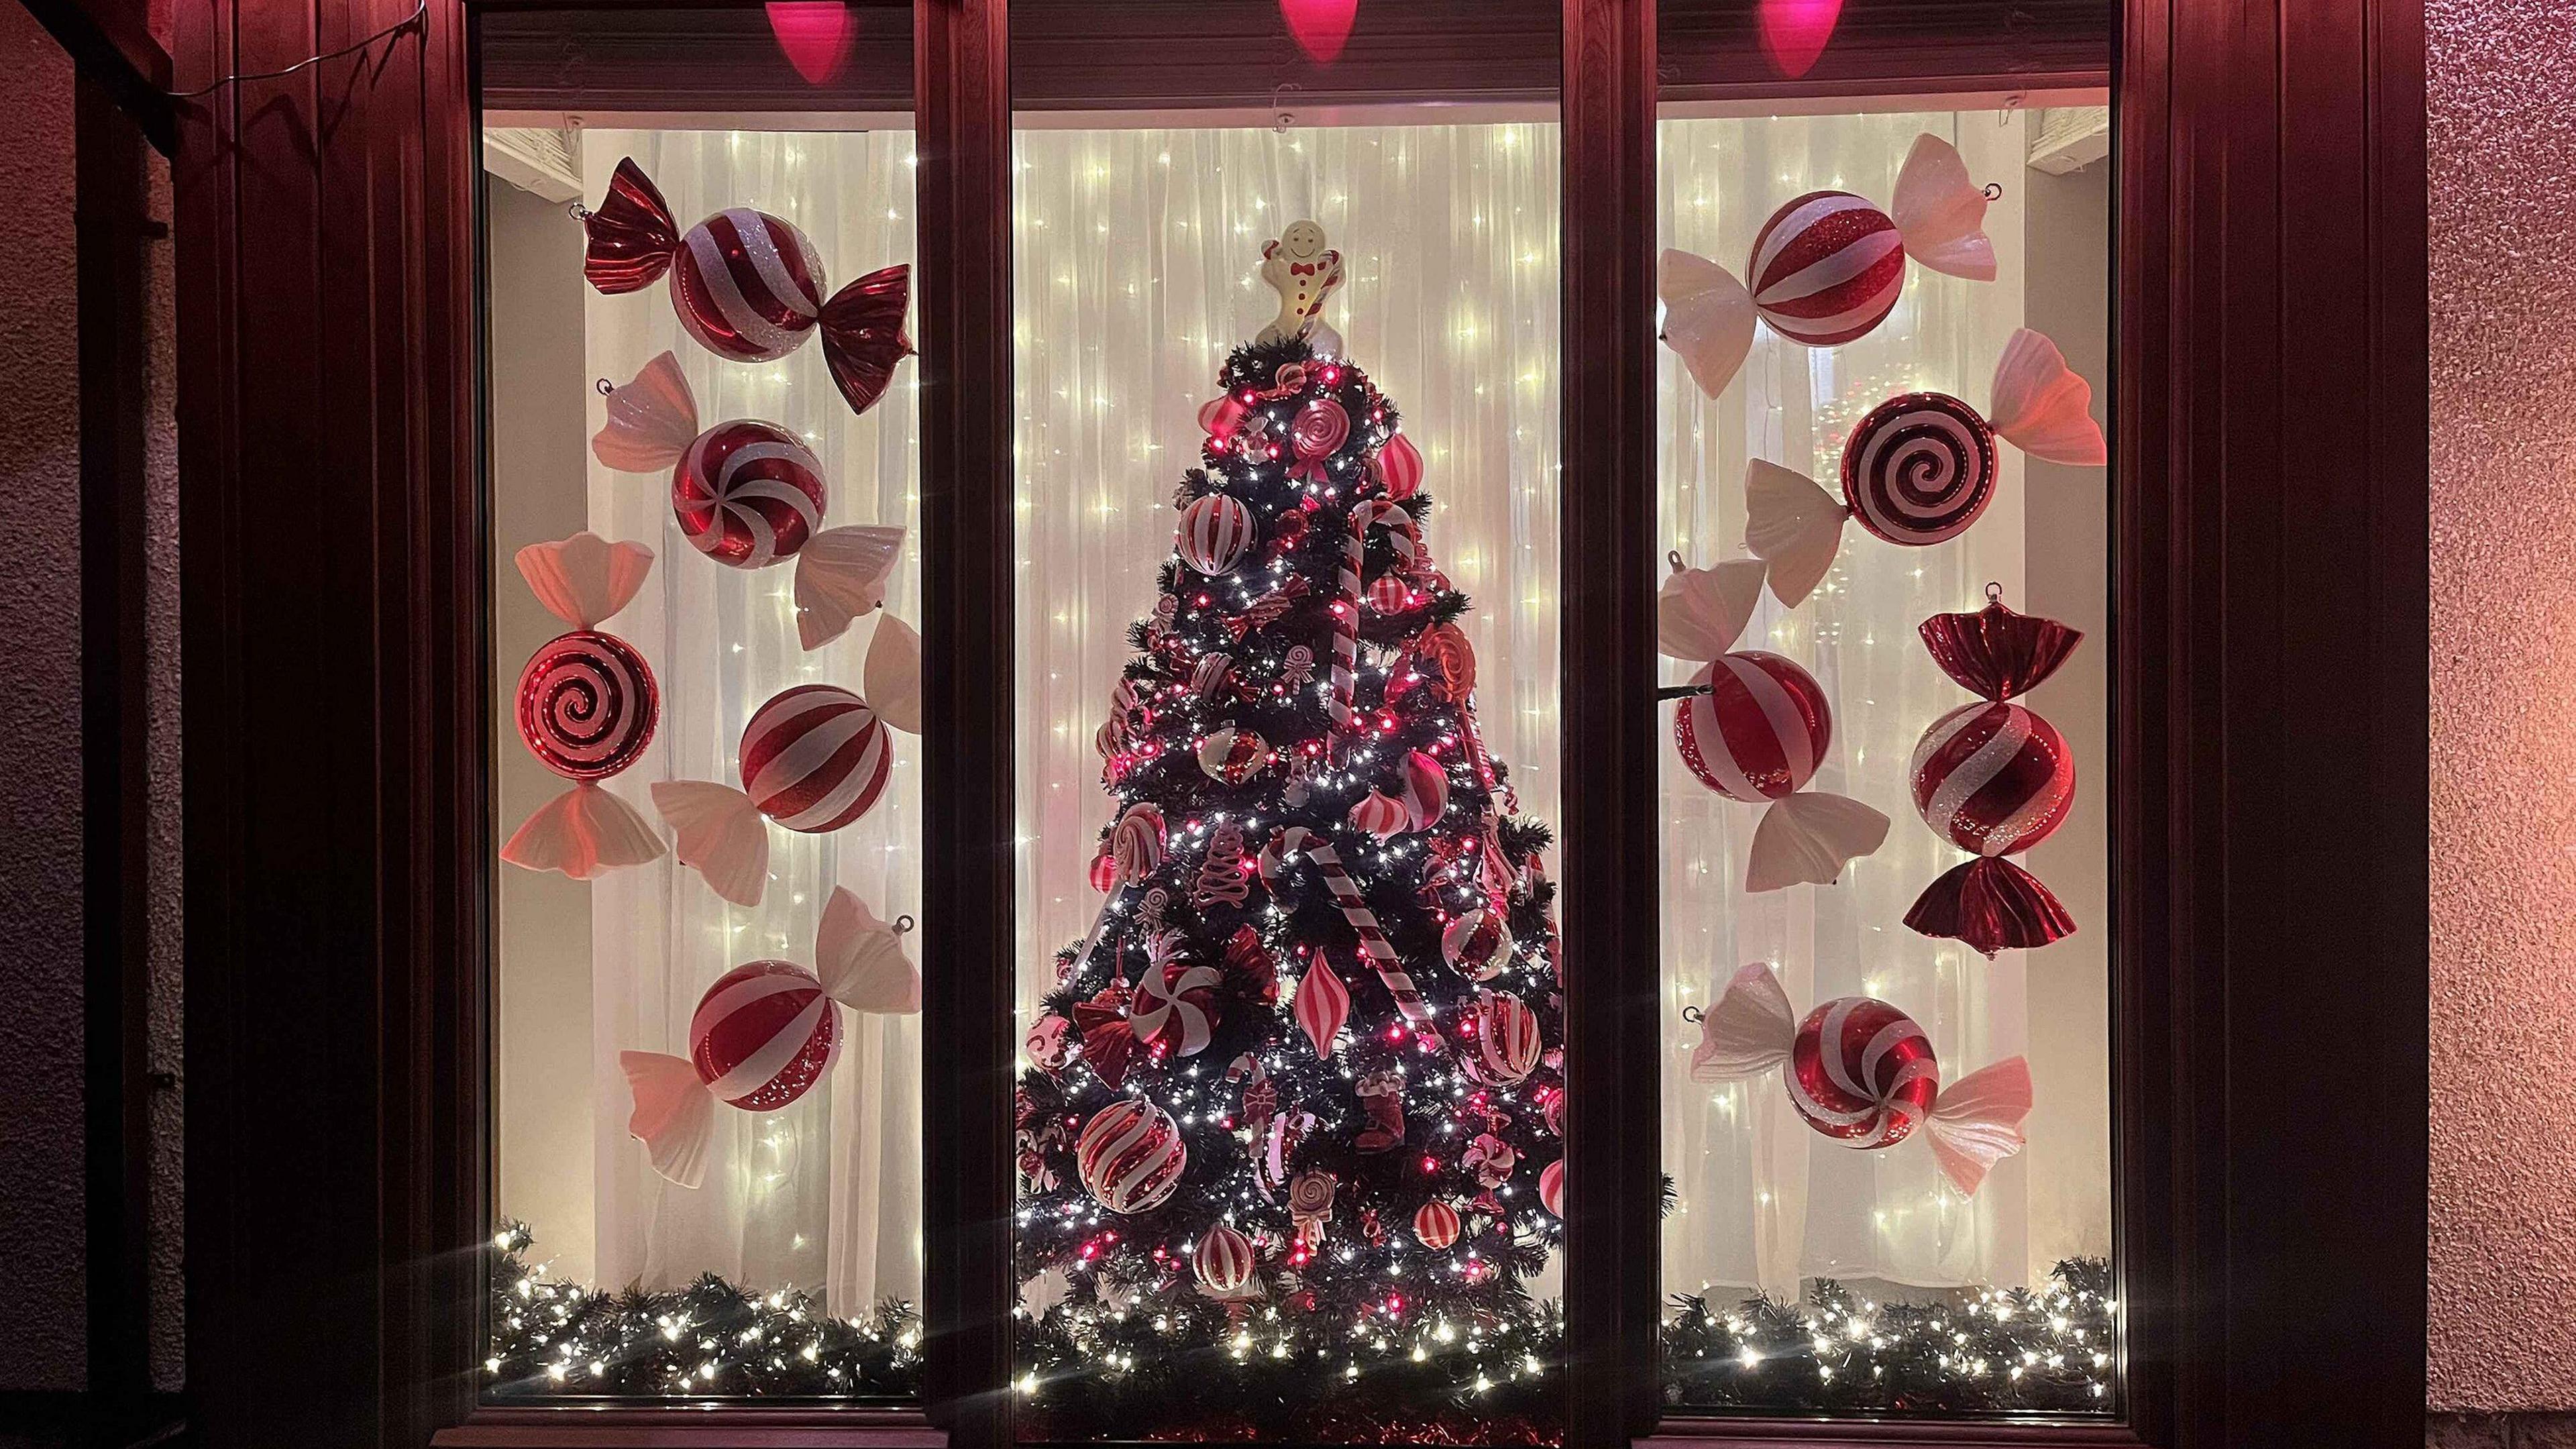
{"x": 748, "y": 494}
{"x": 1477, "y": 944}
{"x": 1175, "y": 1007}
{"x": 1322, "y": 426}
{"x": 1215, "y": 533}
{"x": 1108, "y": 1043}
{"x": 1505, "y": 1045}
{"x": 1322, "y": 1005}
{"x": 1919, "y": 469}
{"x": 1426, "y": 791}
{"x": 1131, "y": 1156}
{"x": 1551, "y": 1187}
{"x": 1436, "y": 1224}
{"x": 1994, "y": 778}
{"x": 763, "y": 1035}
{"x": 587, "y": 705}
{"x": 815, "y": 758}
{"x": 1224, "y": 1261}
{"x": 1388, "y": 593}
{"x": 1104, "y": 872}
{"x": 1758, "y": 735}
{"x": 1233, "y": 755}
{"x": 1398, "y": 466}
{"x": 1050, "y": 1043}
{"x": 1445, "y": 648}
{"x": 1827, "y": 268}
{"x": 1379, "y": 814}
{"x": 1861, "y": 1071}
{"x": 1221, "y": 415}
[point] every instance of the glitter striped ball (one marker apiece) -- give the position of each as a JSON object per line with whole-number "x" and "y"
{"x": 1506, "y": 1045}
{"x": 747, "y": 285}
{"x": 1215, "y": 533}
{"x": 1919, "y": 468}
{"x": 1436, "y": 1224}
{"x": 1826, "y": 268}
{"x": 1223, "y": 1261}
{"x": 587, "y": 705}
{"x": 1759, "y": 732}
{"x": 1862, "y": 1072}
{"x": 1993, "y": 777}
{"x": 763, "y": 1035}
{"x": 815, "y": 758}
{"x": 748, "y": 494}
{"x": 1131, "y": 1156}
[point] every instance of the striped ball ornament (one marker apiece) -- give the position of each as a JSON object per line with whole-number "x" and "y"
{"x": 1216, "y": 532}
{"x": 1551, "y": 1187}
{"x": 1993, "y": 777}
{"x": 748, "y": 494}
{"x": 587, "y": 705}
{"x": 815, "y": 758}
{"x": 1862, "y": 1072}
{"x": 1131, "y": 1156}
{"x": 1505, "y": 1047}
{"x": 1223, "y": 1262}
{"x": 1826, "y": 268}
{"x": 1436, "y": 1224}
{"x": 1760, "y": 731}
{"x": 747, "y": 285}
{"x": 1919, "y": 468}
{"x": 763, "y": 1035}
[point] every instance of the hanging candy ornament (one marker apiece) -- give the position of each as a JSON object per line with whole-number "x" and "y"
{"x": 587, "y": 705}
{"x": 1225, "y": 876}
{"x": 1233, "y": 755}
{"x": 749, "y": 286}
{"x": 1435, "y": 1223}
{"x": 1175, "y": 1007}
{"x": 1554, "y": 1112}
{"x": 1322, "y": 1005}
{"x": 814, "y": 759}
{"x": 1049, "y": 1044}
{"x": 1131, "y": 1156}
{"x": 1398, "y": 468}
{"x": 1223, "y": 1263}
{"x": 1994, "y": 778}
{"x": 1310, "y": 1205}
{"x": 1491, "y": 1159}
{"x": 1754, "y": 727}
{"x": 1862, "y": 1072}
{"x": 1322, "y": 426}
{"x": 1381, "y": 1095}
{"x": 1477, "y": 944}
{"x": 1445, "y": 648}
{"x": 1380, "y": 815}
{"x": 1139, "y": 842}
{"x": 1221, "y": 415}
{"x": 1506, "y": 1044}
{"x": 1551, "y": 1188}
{"x": 1108, "y": 1043}
{"x": 1426, "y": 790}
{"x": 1210, "y": 674}
{"x": 1920, "y": 467}
{"x": 764, "y": 1034}
{"x": 1389, "y": 594}
{"x": 1215, "y": 533}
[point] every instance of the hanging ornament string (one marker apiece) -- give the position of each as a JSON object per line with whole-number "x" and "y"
{"x": 418, "y": 13}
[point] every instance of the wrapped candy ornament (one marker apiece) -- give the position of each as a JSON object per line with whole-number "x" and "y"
{"x": 1994, "y": 777}
{"x": 765, "y": 1033}
{"x": 1920, "y": 467}
{"x": 1862, "y": 1072}
{"x": 1827, "y": 267}
{"x": 587, "y": 706}
{"x": 748, "y": 494}
{"x": 1754, "y": 727}
{"x": 749, "y": 286}
{"x": 814, "y": 759}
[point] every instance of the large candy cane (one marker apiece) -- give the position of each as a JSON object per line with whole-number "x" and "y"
{"x": 1346, "y": 614}
{"x": 1297, "y": 840}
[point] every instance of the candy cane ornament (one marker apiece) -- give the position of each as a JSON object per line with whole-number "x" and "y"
{"x": 1346, "y": 608}
{"x": 1297, "y": 840}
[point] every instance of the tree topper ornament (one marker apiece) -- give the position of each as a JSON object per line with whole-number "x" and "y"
{"x": 1303, "y": 271}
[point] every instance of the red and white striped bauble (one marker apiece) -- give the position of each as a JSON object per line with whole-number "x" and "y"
{"x": 763, "y": 1034}
{"x": 1388, "y": 593}
{"x": 1477, "y": 944}
{"x": 1131, "y": 1156}
{"x": 1175, "y": 1007}
{"x": 748, "y": 494}
{"x": 1436, "y": 1224}
{"x": 1233, "y": 755}
{"x": 1993, "y": 777}
{"x": 747, "y": 285}
{"x": 1759, "y": 732}
{"x": 1399, "y": 467}
{"x": 1826, "y": 268}
{"x": 587, "y": 704}
{"x": 1223, "y": 1261}
{"x": 1919, "y": 468}
{"x": 1380, "y": 814}
{"x": 1861, "y": 1071}
{"x": 1506, "y": 1044}
{"x": 1551, "y": 1187}
{"x": 1138, "y": 841}
{"x": 815, "y": 758}
{"x": 1215, "y": 534}
{"x": 1426, "y": 791}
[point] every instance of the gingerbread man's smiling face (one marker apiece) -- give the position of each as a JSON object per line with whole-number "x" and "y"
{"x": 1302, "y": 239}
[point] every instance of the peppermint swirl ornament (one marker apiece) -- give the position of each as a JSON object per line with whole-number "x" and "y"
{"x": 1860, "y": 1070}
{"x": 587, "y": 705}
{"x": 1919, "y": 469}
{"x": 586, "y": 708}
{"x": 748, "y": 494}
{"x": 1175, "y": 1007}
{"x": 1322, "y": 426}
{"x": 1131, "y": 1156}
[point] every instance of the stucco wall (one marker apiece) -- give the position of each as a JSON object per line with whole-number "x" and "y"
{"x": 2502, "y": 81}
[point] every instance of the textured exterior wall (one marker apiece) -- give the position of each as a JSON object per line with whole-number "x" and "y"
{"x": 2502, "y": 80}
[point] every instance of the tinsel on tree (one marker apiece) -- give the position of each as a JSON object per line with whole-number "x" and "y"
{"x": 1299, "y": 1094}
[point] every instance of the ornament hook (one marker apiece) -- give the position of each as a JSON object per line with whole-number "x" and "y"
{"x": 1994, "y": 592}
{"x": 903, "y": 923}
{"x": 1994, "y": 190}
{"x": 603, "y": 386}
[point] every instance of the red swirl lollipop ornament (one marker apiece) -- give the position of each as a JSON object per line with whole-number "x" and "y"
{"x": 587, "y": 705}
{"x": 1755, "y": 727}
{"x": 1862, "y": 1072}
{"x": 749, "y": 286}
{"x": 1995, "y": 778}
{"x": 748, "y": 494}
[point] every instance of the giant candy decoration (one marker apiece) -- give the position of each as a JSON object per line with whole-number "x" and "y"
{"x": 1827, "y": 267}
{"x": 1131, "y": 1156}
{"x": 1994, "y": 777}
{"x": 749, "y": 286}
{"x": 748, "y": 494}
{"x": 765, "y": 1033}
{"x": 1920, "y": 467}
{"x": 1862, "y": 1072}
{"x": 814, "y": 759}
{"x": 587, "y": 705}
{"x": 1755, "y": 727}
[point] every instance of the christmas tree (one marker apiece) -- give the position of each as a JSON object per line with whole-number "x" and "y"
{"x": 1290, "y": 1141}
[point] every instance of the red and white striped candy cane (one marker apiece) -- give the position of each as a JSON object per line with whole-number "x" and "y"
{"x": 1346, "y": 616}
{"x": 1297, "y": 840}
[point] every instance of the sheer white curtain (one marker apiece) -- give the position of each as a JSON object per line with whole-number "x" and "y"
{"x": 827, "y": 1192}
{"x": 1763, "y": 1200}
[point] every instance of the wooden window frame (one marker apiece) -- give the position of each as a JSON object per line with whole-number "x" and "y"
{"x": 2269, "y": 1012}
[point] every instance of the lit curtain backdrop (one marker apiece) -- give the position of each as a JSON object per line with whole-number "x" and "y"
{"x": 1764, "y": 1201}
{"x": 827, "y": 1192}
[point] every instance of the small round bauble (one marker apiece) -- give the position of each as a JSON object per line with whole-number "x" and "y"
{"x": 1919, "y": 468}
{"x": 763, "y": 1034}
{"x": 1477, "y": 944}
{"x": 1138, "y": 842}
{"x": 1104, "y": 872}
{"x": 815, "y": 758}
{"x": 1862, "y": 1072}
{"x": 1551, "y": 1187}
{"x": 1554, "y": 1112}
{"x": 1759, "y": 732}
{"x": 1993, "y": 777}
{"x": 1223, "y": 1262}
{"x": 1050, "y": 1043}
{"x": 748, "y": 494}
{"x": 1426, "y": 790}
{"x": 1216, "y": 532}
{"x": 1827, "y": 267}
{"x": 747, "y": 285}
{"x": 1232, "y": 755}
{"x": 1380, "y": 814}
{"x": 1505, "y": 1046}
{"x": 1131, "y": 1156}
{"x": 1436, "y": 1224}
{"x": 587, "y": 705}
{"x": 1388, "y": 593}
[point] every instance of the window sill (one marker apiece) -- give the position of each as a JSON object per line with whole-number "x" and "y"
{"x": 694, "y": 1426}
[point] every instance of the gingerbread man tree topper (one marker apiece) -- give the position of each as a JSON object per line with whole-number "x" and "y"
{"x": 1303, "y": 271}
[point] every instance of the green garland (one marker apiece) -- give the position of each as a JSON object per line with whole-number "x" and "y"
{"x": 1108, "y": 1373}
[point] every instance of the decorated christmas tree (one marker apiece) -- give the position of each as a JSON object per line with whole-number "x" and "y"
{"x": 1291, "y": 1138}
